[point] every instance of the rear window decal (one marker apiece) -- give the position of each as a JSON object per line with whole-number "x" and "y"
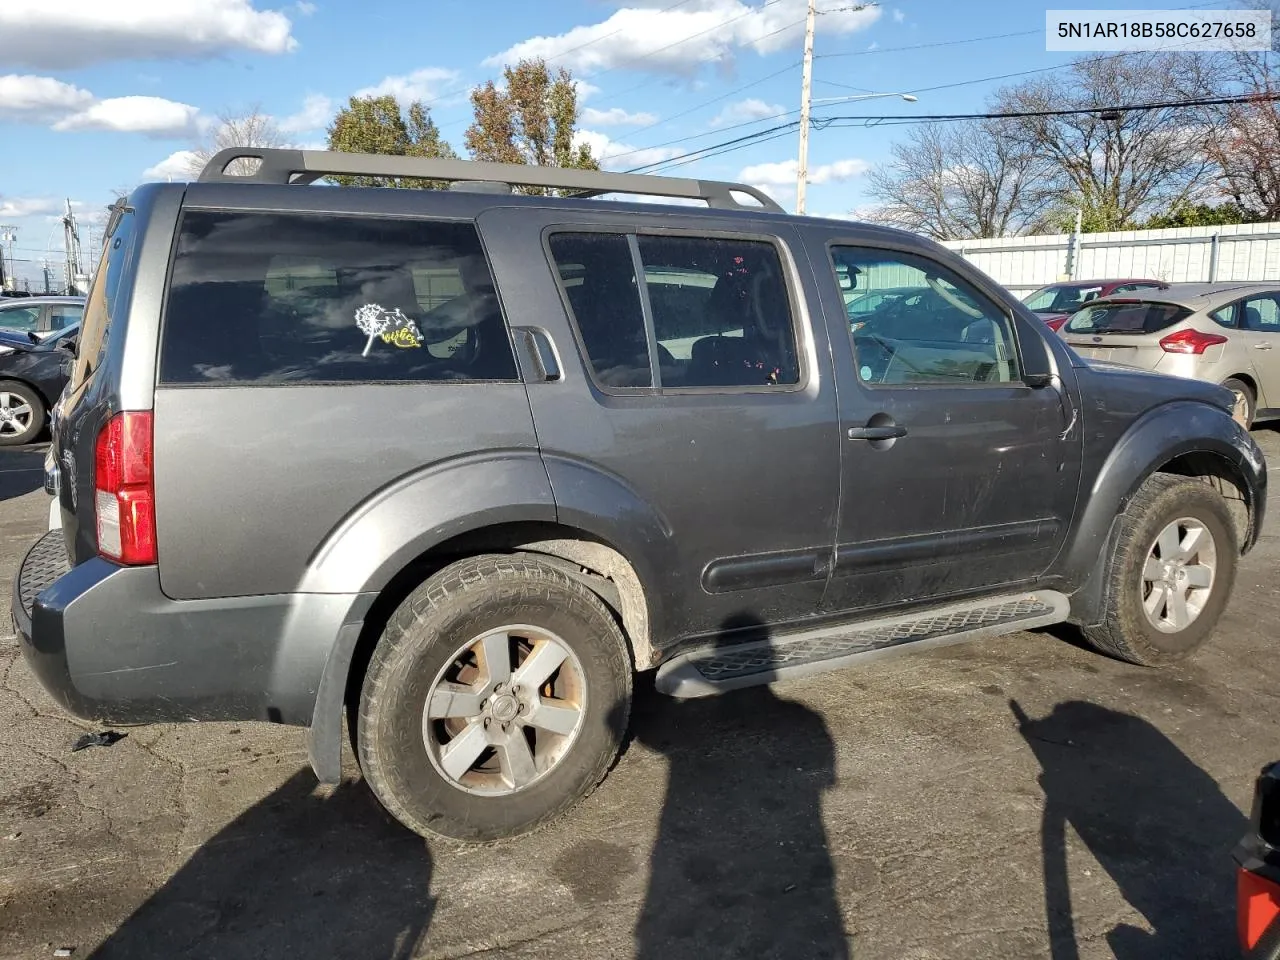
{"x": 390, "y": 326}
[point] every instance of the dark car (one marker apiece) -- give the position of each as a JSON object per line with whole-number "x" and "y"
{"x": 32, "y": 375}
{"x": 456, "y": 465}
{"x": 1055, "y": 303}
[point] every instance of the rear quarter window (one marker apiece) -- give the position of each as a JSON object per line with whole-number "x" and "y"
{"x": 297, "y": 298}
{"x": 1132, "y": 318}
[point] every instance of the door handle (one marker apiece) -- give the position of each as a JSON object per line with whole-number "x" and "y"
{"x": 887, "y": 432}
{"x": 1262, "y": 346}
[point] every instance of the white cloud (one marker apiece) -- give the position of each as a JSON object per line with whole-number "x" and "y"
{"x": 316, "y": 112}
{"x": 154, "y": 116}
{"x": 176, "y": 166}
{"x": 681, "y": 41}
{"x": 620, "y": 156}
{"x": 898, "y": 16}
{"x": 783, "y": 173}
{"x": 874, "y": 45}
{"x": 39, "y": 99}
{"x": 305, "y": 8}
{"x": 747, "y": 110}
{"x": 424, "y": 84}
{"x": 617, "y": 117}
{"x": 15, "y": 208}
{"x": 74, "y": 33}
{"x": 585, "y": 90}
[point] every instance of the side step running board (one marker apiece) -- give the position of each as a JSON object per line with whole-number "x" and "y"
{"x": 714, "y": 669}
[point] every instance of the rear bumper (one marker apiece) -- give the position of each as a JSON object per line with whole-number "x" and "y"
{"x": 108, "y": 645}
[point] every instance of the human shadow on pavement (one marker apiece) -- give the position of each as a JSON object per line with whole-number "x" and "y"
{"x": 741, "y": 865}
{"x": 296, "y": 875}
{"x": 1156, "y": 822}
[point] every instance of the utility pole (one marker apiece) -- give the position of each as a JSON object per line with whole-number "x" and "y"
{"x": 806, "y": 91}
{"x": 71, "y": 249}
{"x": 9, "y": 235}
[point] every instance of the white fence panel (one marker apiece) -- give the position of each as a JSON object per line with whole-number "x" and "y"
{"x": 1246, "y": 251}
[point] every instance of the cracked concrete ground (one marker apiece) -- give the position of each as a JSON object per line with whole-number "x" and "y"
{"x": 1014, "y": 798}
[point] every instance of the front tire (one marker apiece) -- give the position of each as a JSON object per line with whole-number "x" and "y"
{"x": 495, "y": 700}
{"x": 1246, "y": 404}
{"x": 22, "y": 414}
{"x": 1171, "y": 573}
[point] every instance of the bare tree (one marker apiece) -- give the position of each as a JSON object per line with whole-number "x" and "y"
{"x": 1246, "y": 149}
{"x": 1119, "y": 165}
{"x": 250, "y": 129}
{"x": 962, "y": 180}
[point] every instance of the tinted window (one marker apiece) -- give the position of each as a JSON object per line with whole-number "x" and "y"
{"x": 1131, "y": 317}
{"x": 22, "y": 318}
{"x": 599, "y": 281}
{"x": 1261, "y": 314}
{"x": 288, "y": 298}
{"x": 105, "y": 298}
{"x": 721, "y": 314}
{"x": 938, "y": 330}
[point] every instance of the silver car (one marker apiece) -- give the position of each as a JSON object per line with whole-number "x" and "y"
{"x": 1227, "y": 333}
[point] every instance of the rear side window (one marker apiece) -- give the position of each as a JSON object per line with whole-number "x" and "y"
{"x": 706, "y": 313}
{"x": 1134, "y": 318}
{"x": 106, "y": 295}
{"x": 289, "y": 298}
{"x": 64, "y": 315}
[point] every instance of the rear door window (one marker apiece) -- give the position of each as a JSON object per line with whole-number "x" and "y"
{"x": 295, "y": 298}
{"x": 62, "y": 315}
{"x": 1136, "y": 317}
{"x": 1261, "y": 314}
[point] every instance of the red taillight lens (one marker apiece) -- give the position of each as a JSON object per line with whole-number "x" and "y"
{"x": 124, "y": 490}
{"x": 1055, "y": 323}
{"x": 1190, "y": 341}
{"x": 1257, "y": 907}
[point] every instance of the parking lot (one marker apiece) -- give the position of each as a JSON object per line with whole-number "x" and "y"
{"x": 1019, "y": 797}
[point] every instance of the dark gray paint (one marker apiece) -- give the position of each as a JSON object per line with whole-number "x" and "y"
{"x": 260, "y": 477}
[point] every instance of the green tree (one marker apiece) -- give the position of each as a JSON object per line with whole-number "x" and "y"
{"x": 1201, "y": 215}
{"x": 531, "y": 119}
{"x": 380, "y": 125}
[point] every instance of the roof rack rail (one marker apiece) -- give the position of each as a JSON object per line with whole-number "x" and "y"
{"x": 307, "y": 166}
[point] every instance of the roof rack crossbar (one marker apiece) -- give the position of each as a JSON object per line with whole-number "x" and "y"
{"x": 306, "y": 166}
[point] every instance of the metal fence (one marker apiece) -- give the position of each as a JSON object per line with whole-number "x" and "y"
{"x": 1243, "y": 251}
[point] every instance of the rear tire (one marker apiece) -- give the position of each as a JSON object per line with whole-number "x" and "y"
{"x": 1246, "y": 402}
{"x": 460, "y": 733}
{"x": 22, "y": 414}
{"x": 1171, "y": 573}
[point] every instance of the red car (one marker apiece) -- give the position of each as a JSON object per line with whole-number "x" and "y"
{"x": 1056, "y": 302}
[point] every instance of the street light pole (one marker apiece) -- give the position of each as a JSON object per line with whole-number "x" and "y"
{"x": 806, "y": 88}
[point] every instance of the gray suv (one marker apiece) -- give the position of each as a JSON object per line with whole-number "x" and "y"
{"x": 458, "y": 465}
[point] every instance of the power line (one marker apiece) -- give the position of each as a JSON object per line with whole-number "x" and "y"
{"x": 738, "y": 143}
{"x": 926, "y": 46}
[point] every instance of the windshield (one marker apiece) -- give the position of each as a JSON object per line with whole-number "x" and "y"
{"x": 1062, "y": 297}
{"x": 1131, "y": 316}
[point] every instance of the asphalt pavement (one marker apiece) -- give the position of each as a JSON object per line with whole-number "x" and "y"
{"x": 1020, "y": 797}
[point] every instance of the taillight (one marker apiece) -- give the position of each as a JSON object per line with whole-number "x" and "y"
{"x": 1055, "y": 323}
{"x": 1190, "y": 341}
{"x": 124, "y": 489}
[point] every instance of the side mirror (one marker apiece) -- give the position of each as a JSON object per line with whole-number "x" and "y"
{"x": 68, "y": 344}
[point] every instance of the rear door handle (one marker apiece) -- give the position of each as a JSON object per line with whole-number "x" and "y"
{"x": 1262, "y": 346}
{"x": 888, "y": 432}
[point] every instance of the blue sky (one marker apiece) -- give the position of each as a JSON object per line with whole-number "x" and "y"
{"x": 95, "y": 96}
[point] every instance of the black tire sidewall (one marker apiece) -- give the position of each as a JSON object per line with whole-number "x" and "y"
{"x": 33, "y": 400}
{"x": 393, "y": 727}
{"x": 1200, "y": 502}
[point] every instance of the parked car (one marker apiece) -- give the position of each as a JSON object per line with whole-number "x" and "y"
{"x": 32, "y": 376}
{"x": 1227, "y": 333}
{"x": 40, "y": 315}
{"x": 1056, "y": 302}
{"x": 457, "y": 464}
